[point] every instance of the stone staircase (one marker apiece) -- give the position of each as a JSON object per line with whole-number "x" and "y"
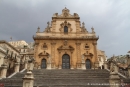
{"x": 62, "y": 78}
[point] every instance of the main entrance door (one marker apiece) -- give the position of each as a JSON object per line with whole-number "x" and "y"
{"x": 43, "y": 64}
{"x": 88, "y": 64}
{"x": 65, "y": 61}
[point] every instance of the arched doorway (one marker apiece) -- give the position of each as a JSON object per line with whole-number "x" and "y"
{"x": 43, "y": 64}
{"x": 88, "y": 64}
{"x": 65, "y": 61}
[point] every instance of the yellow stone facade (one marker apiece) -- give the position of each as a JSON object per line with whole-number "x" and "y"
{"x": 65, "y": 43}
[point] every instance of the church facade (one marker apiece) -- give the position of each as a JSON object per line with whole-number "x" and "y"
{"x": 65, "y": 44}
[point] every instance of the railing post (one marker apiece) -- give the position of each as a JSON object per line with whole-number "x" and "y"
{"x": 105, "y": 65}
{"x": 28, "y": 79}
{"x": 129, "y": 71}
{"x": 114, "y": 78}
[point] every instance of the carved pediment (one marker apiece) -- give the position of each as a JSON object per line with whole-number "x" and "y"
{"x": 88, "y": 54}
{"x": 43, "y": 54}
{"x": 65, "y": 48}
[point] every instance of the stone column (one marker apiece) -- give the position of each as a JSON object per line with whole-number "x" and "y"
{"x": 3, "y": 71}
{"x": 78, "y": 55}
{"x": 28, "y": 79}
{"x": 60, "y": 59}
{"x": 72, "y": 67}
{"x": 17, "y": 65}
{"x": 114, "y": 80}
{"x": 53, "y": 55}
{"x": 95, "y": 55}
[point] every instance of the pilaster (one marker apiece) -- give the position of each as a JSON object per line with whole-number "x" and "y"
{"x": 53, "y": 55}
{"x": 78, "y": 55}
{"x": 95, "y": 55}
{"x": 60, "y": 60}
{"x": 72, "y": 67}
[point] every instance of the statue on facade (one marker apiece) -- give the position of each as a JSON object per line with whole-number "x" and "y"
{"x": 93, "y": 30}
{"x": 49, "y": 58}
{"x": 38, "y": 29}
{"x": 82, "y": 59}
{"x": 83, "y": 29}
{"x": 48, "y": 27}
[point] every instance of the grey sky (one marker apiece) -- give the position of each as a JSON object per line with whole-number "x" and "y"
{"x": 110, "y": 19}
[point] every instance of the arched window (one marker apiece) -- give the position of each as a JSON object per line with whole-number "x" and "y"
{"x": 65, "y": 29}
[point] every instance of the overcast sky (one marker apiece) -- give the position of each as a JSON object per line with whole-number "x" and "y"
{"x": 19, "y": 19}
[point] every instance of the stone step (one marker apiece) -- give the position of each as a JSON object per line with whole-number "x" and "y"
{"x": 61, "y": 78}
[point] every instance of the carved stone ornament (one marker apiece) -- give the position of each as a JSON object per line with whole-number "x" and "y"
{"x": 44, "y": 53}
{"x": 44, "y": 46}
{"x": 65, "y": 47}
{"x": 88, "y": 54}
{"x": 65, "y": 24}
{"x": 65, "y": 12}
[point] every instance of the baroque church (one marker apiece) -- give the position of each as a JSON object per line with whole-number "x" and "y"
{"x": 66, "y": 44}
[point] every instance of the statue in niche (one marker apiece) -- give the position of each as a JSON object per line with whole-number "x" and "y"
{"x": 82, "y": 59}
{"x": 49, "y": 60}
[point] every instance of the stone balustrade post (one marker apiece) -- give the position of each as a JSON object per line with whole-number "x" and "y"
{"x": 114, "y": 80}
{"x": 105, "y": 65}
{"x": 129, "y": 71}
{"x": 3, "y": 71}
{"x": 116, "y": 68}
{"x": 17, "y": 66}
{"x": 28, "y": 79}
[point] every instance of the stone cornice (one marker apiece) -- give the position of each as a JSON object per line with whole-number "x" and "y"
{"x": 67, "y": 38}
{"x": 3, "y": 41}
{"x": 65, "y": 18}
{"x": 3, "y": 52}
